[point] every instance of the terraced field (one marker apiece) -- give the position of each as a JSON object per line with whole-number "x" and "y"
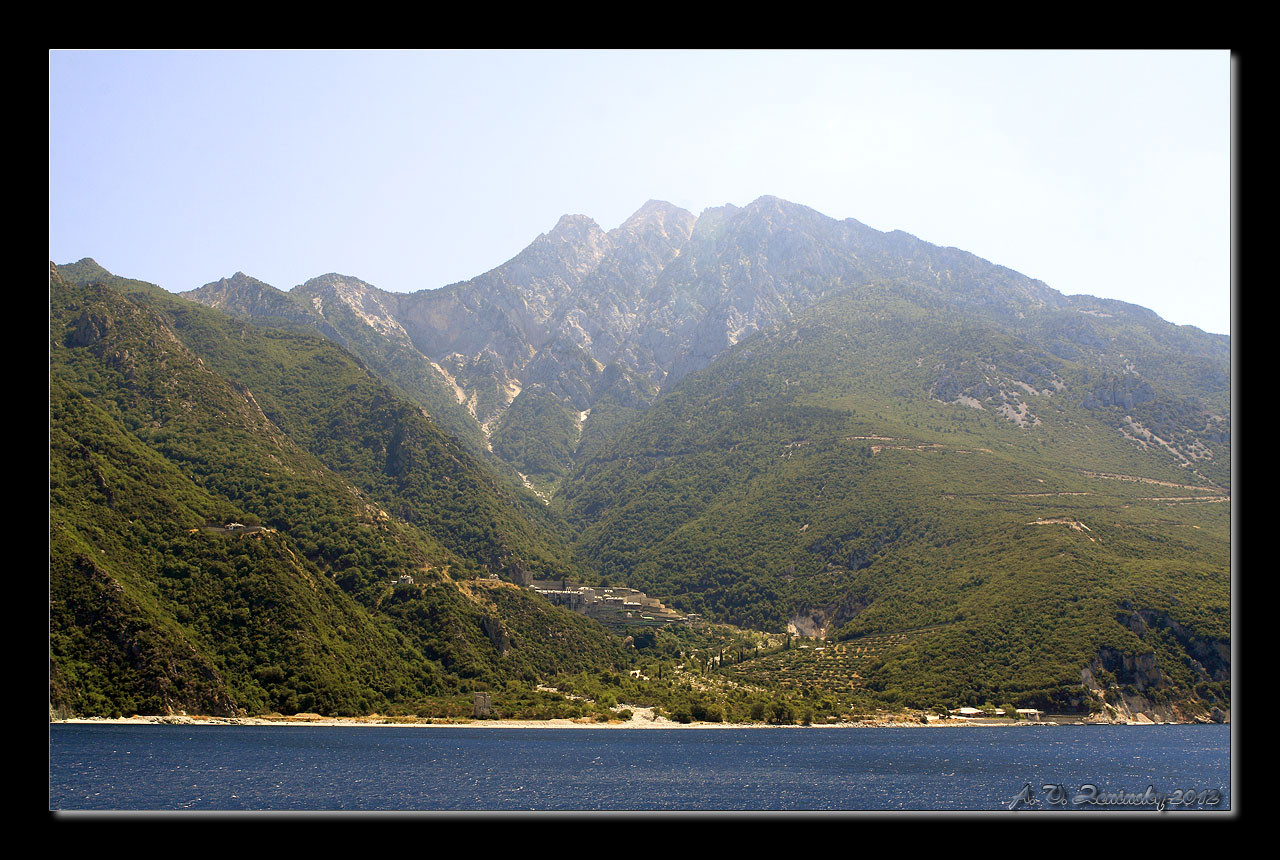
{"x": 834, "y": 667}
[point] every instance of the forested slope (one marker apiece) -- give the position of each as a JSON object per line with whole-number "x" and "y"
{"x": 169, "y": 421}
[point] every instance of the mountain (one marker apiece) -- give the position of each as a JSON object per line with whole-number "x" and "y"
{"x": 356, "y": 576}
{"x": 844, "y": 477}
{"x": 593, "y": 325}
{"x": 975, "y": 489}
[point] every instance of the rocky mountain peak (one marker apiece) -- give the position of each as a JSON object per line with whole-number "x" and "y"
{"x": 238, "y": 281}
{"x": 767, "y": 202}
{"x": 662, "y": 295}
{"x": 776, "y": 212}
{"x": 90, "y": 263}
{"x": 83, "y": 270}
{"x": 247, "y": 297}
{"x": 334, "y": 281}
{"x": 575, "y": 228}
{"x": 661, "y": 216}
{"x": 654, "y": 234}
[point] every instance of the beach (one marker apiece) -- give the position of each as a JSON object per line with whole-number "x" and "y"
{"x": 641, "y": 719}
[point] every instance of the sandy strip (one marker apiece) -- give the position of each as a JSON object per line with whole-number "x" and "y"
{"x": 642, "y": 718}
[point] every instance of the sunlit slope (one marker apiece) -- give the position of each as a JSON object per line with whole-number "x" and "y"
{"x": 877, "y": 466}
{"x": 350, "y": 589}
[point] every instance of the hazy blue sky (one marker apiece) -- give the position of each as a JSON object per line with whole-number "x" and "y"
{"x": 1097, "y": 172}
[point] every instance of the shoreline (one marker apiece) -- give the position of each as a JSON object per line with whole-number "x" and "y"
{"x": 642, "y": 719}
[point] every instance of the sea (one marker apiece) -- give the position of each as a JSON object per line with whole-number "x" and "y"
{"x": 1150, "y": 770}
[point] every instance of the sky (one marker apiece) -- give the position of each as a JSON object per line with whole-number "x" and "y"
{"x": 1099, "y": 172}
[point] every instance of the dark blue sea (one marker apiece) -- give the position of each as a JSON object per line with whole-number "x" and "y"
{"x": 1148, "y": 769}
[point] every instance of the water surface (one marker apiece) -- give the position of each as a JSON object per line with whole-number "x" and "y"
{"x": 114, "y": 767}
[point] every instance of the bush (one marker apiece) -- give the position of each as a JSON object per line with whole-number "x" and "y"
{"x": 711, "y": 713}
{"x": 782, "y": 714}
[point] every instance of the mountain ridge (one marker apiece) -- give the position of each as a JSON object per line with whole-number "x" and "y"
{"x": 666, "y": 292}
{"x": 243, "y": 520}
{"x": 766, "y": 416}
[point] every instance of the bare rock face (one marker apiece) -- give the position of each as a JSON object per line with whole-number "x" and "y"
{"x": 497, "y": 634}
{"x": 1138, "y": 670}
{"x": 248, "y": 298}
{"x": 1211, "y": 657}
{"x": 1124, "y": 392}
{"x": 666, "y": 293}
{"x": 89, "y": 329}
{"x": 813, "y": 624}
{"x": 1129, "y": 686}
{"x": 661, "y": 295}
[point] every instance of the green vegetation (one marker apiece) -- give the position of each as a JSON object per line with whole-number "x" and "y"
{"x": 160, "y": 428}
{"x": 951, "y": 515}
{"x": 538, "y": 435}
{"x": 814, "y": 472}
